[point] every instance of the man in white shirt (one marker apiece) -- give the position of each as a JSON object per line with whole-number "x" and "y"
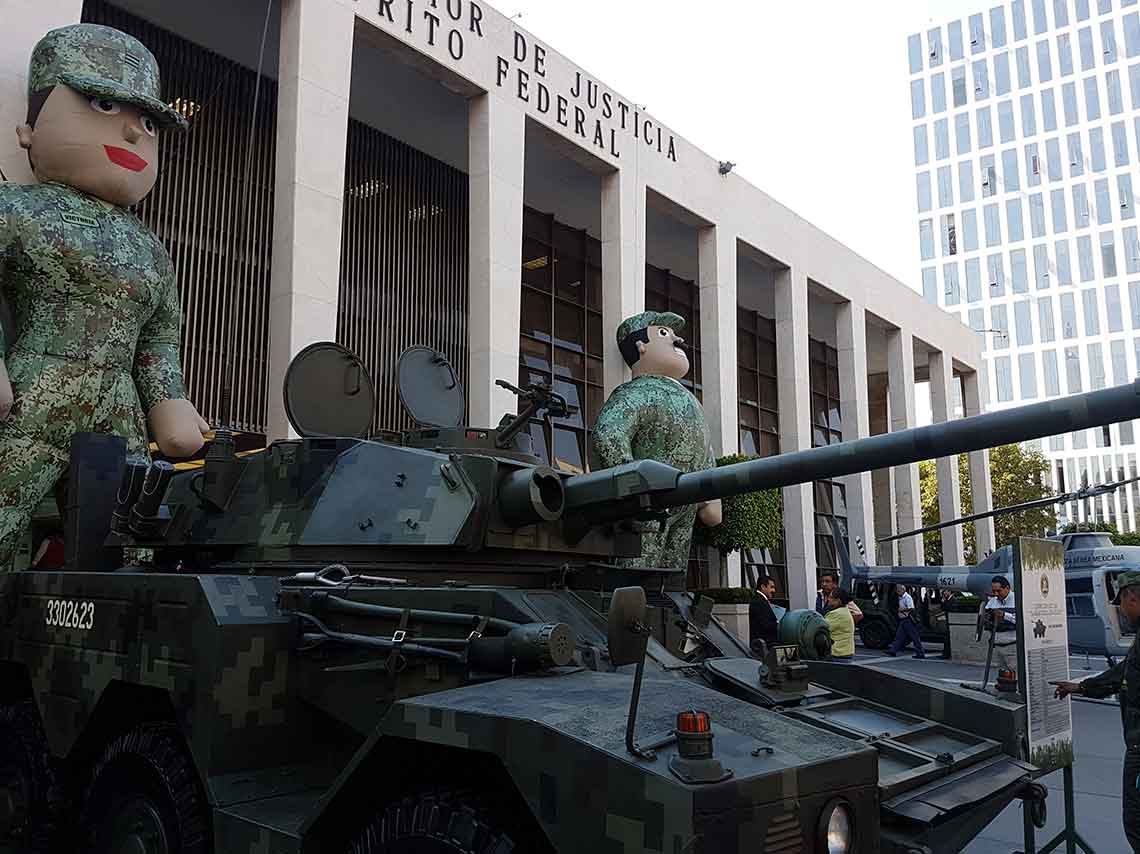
{"x": 907, "y": 632}
{"x": 1001, "y": 606}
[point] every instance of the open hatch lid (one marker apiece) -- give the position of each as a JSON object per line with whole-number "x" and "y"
{"x": 328, "y": 393}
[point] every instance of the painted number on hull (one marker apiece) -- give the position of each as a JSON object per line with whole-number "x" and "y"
{"x": 70, "y": 615}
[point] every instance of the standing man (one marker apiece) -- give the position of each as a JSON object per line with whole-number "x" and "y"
{"x": 907, "y": 632}
{"x": 95, "y": 309}
{"x": 1001, "y": 609}
{"x": 1123, "y": 679}
{"x": 762, "y": 621}
{"x": 828, "y": 581}
{"x": 654, "y": 417}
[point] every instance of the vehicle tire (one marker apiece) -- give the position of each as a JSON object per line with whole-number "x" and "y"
{"x": 30, "y": 797}
{"x": 875, "y": 634}
{"x": 433, "y": 823}
{"x": 144, "y": 796}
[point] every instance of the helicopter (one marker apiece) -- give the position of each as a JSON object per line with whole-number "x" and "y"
{"x": 1092, "y": 565}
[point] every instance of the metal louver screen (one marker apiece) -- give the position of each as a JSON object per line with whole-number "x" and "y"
{"x": 214, "y": 219}
{"x": 403, "y": 279}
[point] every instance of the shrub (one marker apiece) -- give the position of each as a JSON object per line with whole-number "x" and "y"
{"x": 754, "y": 520}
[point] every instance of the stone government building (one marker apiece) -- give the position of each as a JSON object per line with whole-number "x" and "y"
{"x": 427, "y": 172}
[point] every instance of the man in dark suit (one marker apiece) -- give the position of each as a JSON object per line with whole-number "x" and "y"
{"x": 762, "y": 620}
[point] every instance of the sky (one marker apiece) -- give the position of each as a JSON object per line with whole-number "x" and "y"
{"x": 810, "y": 100}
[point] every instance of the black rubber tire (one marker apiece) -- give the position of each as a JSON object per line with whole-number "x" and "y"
{"x": 144, "y": 785}
{"x": 31, "y": 794}
{"x": 875, "y": 634}
{"x": 433, "y": 823}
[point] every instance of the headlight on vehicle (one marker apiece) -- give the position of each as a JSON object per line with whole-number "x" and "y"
{"x": 836, "y": 829}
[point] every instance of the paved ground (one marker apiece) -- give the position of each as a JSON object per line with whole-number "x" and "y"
{"x": 1097, "y": 771}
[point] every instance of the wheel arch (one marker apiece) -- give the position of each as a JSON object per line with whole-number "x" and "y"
{"x": 121, "y": 707}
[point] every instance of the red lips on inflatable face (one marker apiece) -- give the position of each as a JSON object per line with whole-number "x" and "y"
{"x": 124, "y": 158}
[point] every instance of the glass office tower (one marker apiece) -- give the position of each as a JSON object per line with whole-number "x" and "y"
{"x": 1026, "y": 119}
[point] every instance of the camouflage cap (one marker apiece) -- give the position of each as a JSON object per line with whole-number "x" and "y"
{"x": 101, "y": 62}
{"x": 1125, "y": 579}
{"x": 647, "y": 319}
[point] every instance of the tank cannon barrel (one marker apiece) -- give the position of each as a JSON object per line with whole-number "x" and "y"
{"x": 1052, "y": 417}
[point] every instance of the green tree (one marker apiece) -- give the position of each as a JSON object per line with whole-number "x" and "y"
{"x": 1017, "y": 475}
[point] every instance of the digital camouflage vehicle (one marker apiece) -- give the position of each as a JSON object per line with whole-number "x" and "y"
{"x": 341, "y": 644}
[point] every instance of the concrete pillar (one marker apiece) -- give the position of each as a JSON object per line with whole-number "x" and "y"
{"x": 25, "y": 23}
{"x": 851, "y": 337}
{"x": 717, "y": 281}
{"x": 974, "y": 401}
{"x": 900, "y": 377}
{"x": 315, "y": 74}
{"x": 949, "y": 494}
{"x": 793, "y": 384}
{"x": 496, "y": 147}
{"x": 623, "y": 265}
{"x": 882, "y": 480}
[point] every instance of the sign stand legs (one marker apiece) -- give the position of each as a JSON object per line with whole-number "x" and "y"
{"x": 1069, "y": 835}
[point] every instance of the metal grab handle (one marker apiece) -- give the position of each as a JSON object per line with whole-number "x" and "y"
{"x": 352, "y": 386}
{"x": 439, "y": 358}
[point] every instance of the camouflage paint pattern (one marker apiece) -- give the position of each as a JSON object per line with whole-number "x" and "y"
{"x": 656, "y": 418}
{"x": 101, "y": 62}
{"x": 96, "y": 345}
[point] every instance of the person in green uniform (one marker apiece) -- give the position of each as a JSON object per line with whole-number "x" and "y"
{"x": 91, "y": 291}
{"x": 654, "y": 417}
{"x": 1123, "y": 679}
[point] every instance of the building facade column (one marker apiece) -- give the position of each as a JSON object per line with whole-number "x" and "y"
{"x": 882, "y": 480}
{"x": 974, "y": 401}
{"x": 25, "y": 23}
{"x": 496, "y": 148}
{"x": 900, "y": 379}
{"x": 623, "y": 265}
{"x": 716, "y": 250}
{"x": 793, "y": 385}
{"x": 854, "y": 405}
{"x": 314, "y": 79}
{"x": 949, "y": 493}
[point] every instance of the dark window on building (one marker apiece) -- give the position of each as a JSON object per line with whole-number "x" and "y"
{"x": 756, "y": 380}
{"x": 560, "y": 334}
{"x": 827, "y": 429}
{"x": 666, "y": 292}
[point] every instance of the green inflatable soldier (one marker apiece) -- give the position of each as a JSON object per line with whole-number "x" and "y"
{"x": 654, "y": 417}
{"x": 91, "y": 291}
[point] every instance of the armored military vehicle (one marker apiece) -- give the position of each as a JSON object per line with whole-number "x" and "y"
{"x": 432, "y": 644}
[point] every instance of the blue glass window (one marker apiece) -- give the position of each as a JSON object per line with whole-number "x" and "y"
{"x": 1115, "y": 97}
{"x": 1069, "y": 104}
{"x": 938, "y": 93}
{"x": 1013, "y": 221}
{"x": 1108, "y": 42}
{"x": 1048, "y": 110}
{"x": 973, "y": 280}
{"x": 921, "y": 148}
{"x": 945, "y": 187}
{"x": 1065, "y": 54}
{"x": 1044, "y": 64}
{"x": 1080, "y": 207}
{"x": 1134, "y": 84}
{"x": 977, "y": 34}
{"x": 995, "y": 269}
{"x": 1024, "y": 75}
{"x": 1001, "y": 74}
{"x": 1040, "y": 22}
{"x": 1005, "y": 121}
{"x": 1132, "y": 34}
{"x": 997, "y": 27}
{"x": 1064, "y": 270}
{"x": 981, "y": 80}
{"x": 930, "y": 285}
{"x": 1082, "y": 10}
{"x": 926, "y": 239}
{"x": 962, "y": 132}
{"x": 949, "y": 238}
{"x": 1032, "y": 165}
{"x": 941, "y": 139}
{"x": 1119, "y": 144}
{"x": 917, "y": 99}
{"x": 1028, "y": 116}
{"x": 1085, "y": 43}
{"x": 1017, "y": 11}
{"x": 1131, "y": 247}
{"x": 966, "y": 181}
{"x": 985, "y": 128}
{"x": 1108, "y": 255}
{"x": 1085, "y": 259}
{"x": 1092, "y": 99}
{"x": 1104, "y": 6}
{"x": 989, "y": 176}
{"x": 954, "y": 33}
{"x": 969, "y": 230}
{"x": 1019, "y": 281}
{"x": 1060, "y": 13}
{"x": 950, "y": 276}
{"x": 914, "y": 49}
{"x": 993, "y": 225}
{"x": 1096, "y": 149}
{"x": 922, "y": 191}
{"x": 1124, "y": 188}
{"x": 934, "y": 42}
{"x": 1076, "y": 155}
{"x": 1009, "y": 172}
{"x": 958, "y": 85}
{"x": 1060, "y": 223}
{"x": 1041, "y": 274}
{"x": 1037, "y": 215}
{"x": 1053, "y": 155}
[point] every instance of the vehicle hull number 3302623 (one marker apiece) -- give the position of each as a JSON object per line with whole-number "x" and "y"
{"x": 70, "y": 615}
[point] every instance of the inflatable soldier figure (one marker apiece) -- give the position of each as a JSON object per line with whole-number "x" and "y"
{"x": 654, "y": 417}
{"x": 94, "y": 305}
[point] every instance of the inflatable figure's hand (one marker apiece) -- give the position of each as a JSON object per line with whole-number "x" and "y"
{"x": 6, "y": 396}
{"x": 710, "y": 513}
{"x": 177, "y": 428}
